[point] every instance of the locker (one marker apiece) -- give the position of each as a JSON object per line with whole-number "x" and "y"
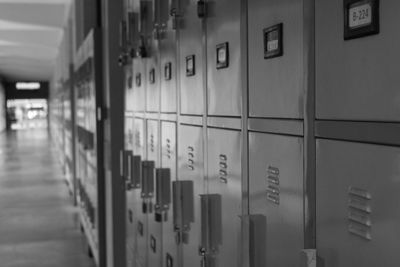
{"x": 276, "y": 193}
{"x": 154, "y": 227}
{"x": 356, "y": 79}
{"x": 276, "y": 82}
{"x": 191, "y": 60}
{"x": 130, "y": 205}
{"x": 167, "y": 44}
{"x": 139, "y": 82}
{"x": 223, "y": 201}
{"x": 224, "y": 58}
{"x": 168, "y": 162}
{"x": 191, "y": 171}
{"x": 140, "y": 218}
{"x": 357, "y": 204}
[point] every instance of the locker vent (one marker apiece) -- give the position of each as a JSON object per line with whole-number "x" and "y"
{"x": 137, "y": 137}
{"x": 359, "y": 213}
{"x": 190, "y": 162}
{"x": 169, "y": 151}
{"x": 152, "y": 146}
{"x": 273, "y": 185}
{"x": 223, "y": 168}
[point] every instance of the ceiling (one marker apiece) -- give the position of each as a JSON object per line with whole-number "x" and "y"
{"x": 30, "y": 35}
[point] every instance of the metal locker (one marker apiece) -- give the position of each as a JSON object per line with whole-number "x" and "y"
{"x": 130, "y": 205}
{"x": 357, "y": 79}
{"x": 191, "y": 60}
{"x": 358, "y": 189}
{"x": 191, "y": 172}
{"x": 168, "y": 162}
{"x": 139, "y": 82}
{"x": 155, "y": 227}
{"x": 224, "y": 58}
{"x": 276, "y": 193}
{"x": 140, "y": 218}
{"x": 276, "y": 71}
{"x": 223, "y": 201}
{"x": 167, "y": 45}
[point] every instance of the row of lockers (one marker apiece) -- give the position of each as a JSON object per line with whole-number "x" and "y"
{"x": 182, "y": 211}
{"x": 197, "y": 53}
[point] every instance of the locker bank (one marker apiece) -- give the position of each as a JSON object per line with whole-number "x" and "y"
{"x": 232, "y": 133}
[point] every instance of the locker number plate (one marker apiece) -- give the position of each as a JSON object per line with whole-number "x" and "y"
{"x": 273, "y": 41}
{"x": 222, "y": 56}
{"x": 361, "y": 18}
{"x": 190, "y": 66}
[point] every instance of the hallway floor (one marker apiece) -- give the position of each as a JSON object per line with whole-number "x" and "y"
{"x": 39, "y": 227}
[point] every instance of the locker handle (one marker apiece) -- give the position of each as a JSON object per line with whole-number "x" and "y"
{"x": 121, "y": 163}
{"x": 183, "y": 205}
{"x": 147, "y": 179}
{"x": 211, "y": 220}
{"x": 257, "y": 237}
{"x": 136, "y": 171}
{"x": 163, "y": 189}
{"x": 201, "y": 9}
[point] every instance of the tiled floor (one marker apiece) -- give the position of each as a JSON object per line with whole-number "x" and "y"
{"x": 39, "y": 226}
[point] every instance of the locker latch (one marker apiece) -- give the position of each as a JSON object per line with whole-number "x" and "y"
{"x": 183, "y": 206}
{"x": 163, "y": 194}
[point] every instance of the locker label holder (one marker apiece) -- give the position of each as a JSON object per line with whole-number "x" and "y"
{"x": 361, "y": 18}
{"x": 273, "y": 41}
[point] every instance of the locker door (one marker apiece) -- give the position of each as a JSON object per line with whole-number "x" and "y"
{"x": 223, "y": 58}
{"x": 224, "y": 190}
{"x": 358, "y": 189}
{"x": 139, "y": 82}
{"x": 168, "y": 61}
{"x": 140, "y": 218}
{"x": 155, "y": 227}
{"x": 130, "y": 224}
{"x": 276, "y": 193}
{"x": 357, "y": 79}
{"x": 276, "y": 58}
{"x": 191, "y": 172}
{"x": 191, "y": 60}
{"x": 168, "y": 162}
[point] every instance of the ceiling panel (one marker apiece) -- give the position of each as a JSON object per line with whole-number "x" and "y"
{"x": 30, "y": 36}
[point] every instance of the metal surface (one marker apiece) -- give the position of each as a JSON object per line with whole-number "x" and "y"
{"x": 228, "y": 123}
{"x": 191, "y": 168}
{"x": 155, "y": 228}
{"x": 169, "y": 161}
{"x": 224, "y": 85}
{"x": 168, "y": 47}
{"x": 190, "y": 37}
{"x": 356, "y": 79}
{"x": 372, "y": 132}
{"x": 290, "y": 127}
{"x": 276, "y": 192}
{"x": 225, "y": 183}
{"x": 276, "y": 84}
{"x": 357, "y": 212}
